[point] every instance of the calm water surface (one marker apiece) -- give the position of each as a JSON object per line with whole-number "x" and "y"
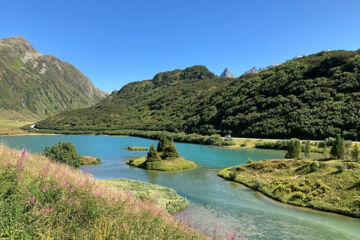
{"x": 212, "y": 199}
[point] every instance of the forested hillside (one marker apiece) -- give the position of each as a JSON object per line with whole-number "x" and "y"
{"x": 35, "y": 86}
{"x": 312, "y": 97}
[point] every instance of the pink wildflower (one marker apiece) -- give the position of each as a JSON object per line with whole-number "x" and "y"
{"x": 23, "y": 154}
{"x": 45, "y": 170}
{"x": 48, "y": 210}
{"x": 54, "y": 187}
{"x": 72, "y": 190}
{"x": 233, "y": 237}
{"x": 45, "y": 188}
{"x": 32, "y": 200}
{"x": 20, "y": 165}
{"x": 215, "y": 229}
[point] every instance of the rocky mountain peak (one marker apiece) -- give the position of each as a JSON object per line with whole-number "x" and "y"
{"x": 18, "y": 43}
{"x": 227, "y": 74}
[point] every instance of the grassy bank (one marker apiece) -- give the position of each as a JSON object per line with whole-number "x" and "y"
{"x": 215, "y": 140}
{"x": 161, "y": 196}
{"x": 11, "y": 127}
{"x": 176, "y": 164}
{"x": 41, "y": 199}
{"x": 331, "y": 185}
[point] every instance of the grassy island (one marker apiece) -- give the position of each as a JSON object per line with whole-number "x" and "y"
{"x": 162, "y": 196}
{"x": 164, "y": 158}
{"x": 89, "y": 160}
{"x": 328, "y": 185}
{"x": 135, "y": 148}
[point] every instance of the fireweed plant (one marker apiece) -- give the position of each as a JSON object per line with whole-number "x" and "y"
{"x": 41, "y": 199}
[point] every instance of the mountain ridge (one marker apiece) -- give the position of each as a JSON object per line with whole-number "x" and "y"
{"x": 312, "y": 97}
{"x": 35, "y": 85}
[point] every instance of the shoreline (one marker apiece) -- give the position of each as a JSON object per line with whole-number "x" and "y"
{"x": 280, "y": 199}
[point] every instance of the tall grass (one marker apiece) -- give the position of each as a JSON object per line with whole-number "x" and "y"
{"x": 44, "y": 199}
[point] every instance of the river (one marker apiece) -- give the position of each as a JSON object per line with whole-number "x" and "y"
{"x": 213, "y": 201}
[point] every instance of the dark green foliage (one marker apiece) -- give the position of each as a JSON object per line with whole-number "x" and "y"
{"x": 314, "y": 166}
{"x": 294, "y": 149}
{"x": 338, "y": 148}
{"x": 153, "y": 155}
{"x": 312, "y": 97}
{"x": 355, "y": 152}
{"x": 64, "y": 153}
{"x": 341, "y": 167}
{"x": 307, "y": 149}
{"x": 167, "y": 149}
{"x": 164, "y": 142}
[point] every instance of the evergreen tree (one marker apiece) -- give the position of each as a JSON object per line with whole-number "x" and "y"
{"x": 307, "y": 149}
{"x": 294, "y": 149}
{"x": 163, "y": 144}
{"x": 355, "y": 153}
{"x": 153, "y": 155}
{"x": 170, "y": 151}
{"x": 338, "y": 148}
{"x": 166, "y": 148}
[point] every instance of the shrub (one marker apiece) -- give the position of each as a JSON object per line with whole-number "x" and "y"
{"x": 294, "y": 149}
{"x": 355, "y": 152}
{"x": 258, "y": 184}
{"x": 297, "y": 196}
{"x": 249, "y": 160}
{"x": 64, "y": 153}
{"x": 314, "y": 166}
{"x": 338, "y": 148}
{"x": 340, "y": 167}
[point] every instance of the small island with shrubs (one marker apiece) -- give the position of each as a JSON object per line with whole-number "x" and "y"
{"x": 135, "y": 148}
{"x": 164, "y": 158}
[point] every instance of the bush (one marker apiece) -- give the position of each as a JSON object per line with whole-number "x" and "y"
{"x": 314, "y": 166}
{"x": 340, "y": 167}
{"x": 64, "y": 153}
{"x": 294, "y": 149}
{"x": 249, "y": 160}
{"x": 258, "y": 184}
{"x": 297, "y": 196}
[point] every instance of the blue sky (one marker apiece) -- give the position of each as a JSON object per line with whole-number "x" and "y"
{"x": 116, "y": 42}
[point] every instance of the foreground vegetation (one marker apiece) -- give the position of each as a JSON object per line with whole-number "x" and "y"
{"x": 161, "y": 196}
{"x": 328, "y": 185}
{"x": 42, "y": 199}
{"x": 311, "y": 97}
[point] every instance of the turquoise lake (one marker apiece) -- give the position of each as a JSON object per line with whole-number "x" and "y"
{"x": 212, "y": 199}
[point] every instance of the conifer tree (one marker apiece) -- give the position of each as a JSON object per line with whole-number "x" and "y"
{"x": 153, "y": 155}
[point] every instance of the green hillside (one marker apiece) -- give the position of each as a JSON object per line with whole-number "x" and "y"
{"x": 312, "y": 97}
{"x": 35, "y": 86}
